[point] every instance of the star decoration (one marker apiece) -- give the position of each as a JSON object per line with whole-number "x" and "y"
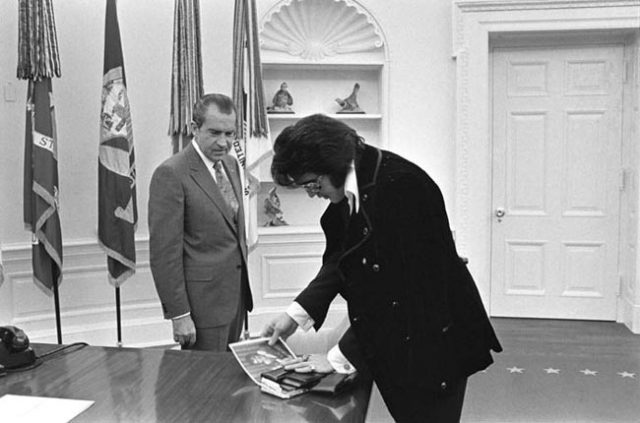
{"x": 588, "y": 372}
{"x": 627, "y": 374}
{"x": 515, "y": 369}
{"x": 552, "y": 371}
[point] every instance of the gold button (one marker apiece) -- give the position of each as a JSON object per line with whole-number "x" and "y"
{"x": 365, "y": 231}
{"x": 443, "y": 385}
{"x": 376, "y": 267}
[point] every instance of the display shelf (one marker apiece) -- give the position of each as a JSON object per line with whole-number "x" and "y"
{"x": 320, "y": 60}
{"x": 315, "y": 89}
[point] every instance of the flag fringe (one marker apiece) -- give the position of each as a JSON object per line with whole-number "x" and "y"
{"x": 38, "y": 55}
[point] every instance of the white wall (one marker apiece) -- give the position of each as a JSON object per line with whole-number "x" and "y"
{"x": 421, "y": 98}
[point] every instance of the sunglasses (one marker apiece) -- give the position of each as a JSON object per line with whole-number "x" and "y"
{"x": 312, "y": 187}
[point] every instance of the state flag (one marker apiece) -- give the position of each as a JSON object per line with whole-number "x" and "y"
{"x": 41, "y": 194}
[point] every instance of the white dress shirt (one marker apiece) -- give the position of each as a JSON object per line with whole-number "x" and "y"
{"x": 335, "y": 357}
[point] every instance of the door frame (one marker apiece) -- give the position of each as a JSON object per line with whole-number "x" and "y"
{"x": 476, "y": 25}
{"x": 550, "y": 41}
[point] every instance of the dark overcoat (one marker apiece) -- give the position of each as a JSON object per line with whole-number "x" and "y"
{"x": 417, "y": 319}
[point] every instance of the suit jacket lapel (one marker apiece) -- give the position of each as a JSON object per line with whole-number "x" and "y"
{"x": 202, "y": 177}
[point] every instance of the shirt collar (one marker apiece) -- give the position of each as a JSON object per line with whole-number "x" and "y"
{"x": 351, "y": 189}
{"x": 207, "y": 161}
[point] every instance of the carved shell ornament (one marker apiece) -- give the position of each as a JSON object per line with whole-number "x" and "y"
{"x": 315, "y": 29}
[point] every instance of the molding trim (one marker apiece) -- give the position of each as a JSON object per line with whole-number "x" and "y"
{"x": 513, "y": 5}
{"x": 630, "y": 315}
{"x": 299, "y": 28}
{"x": 86, "y": 297}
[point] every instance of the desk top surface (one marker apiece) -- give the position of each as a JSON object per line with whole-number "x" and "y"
{"x": 158, "y": 385}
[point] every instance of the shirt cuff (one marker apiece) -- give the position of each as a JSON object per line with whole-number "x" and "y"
{"x": 300, "y": 315}
{"x": 339, "y": 362}
{"x": 188, "y": 313}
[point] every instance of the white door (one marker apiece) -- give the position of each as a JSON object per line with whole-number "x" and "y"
{"x": 556, "y": 181}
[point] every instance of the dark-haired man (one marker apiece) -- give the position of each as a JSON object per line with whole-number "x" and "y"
{"x": 198, "y": 250}
{"x": 418, "y": 325}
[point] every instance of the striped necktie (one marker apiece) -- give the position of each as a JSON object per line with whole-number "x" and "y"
{"x": 225, "y": 188}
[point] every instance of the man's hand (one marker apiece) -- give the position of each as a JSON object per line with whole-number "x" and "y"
{"x": 282, "y": 326}
{"x": 184, "y": 331}
{"x": 312, "y": 363}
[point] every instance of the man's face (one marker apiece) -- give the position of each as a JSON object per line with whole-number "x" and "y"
{"x": 321, "y": 186}
{"x": 217, "y": 133}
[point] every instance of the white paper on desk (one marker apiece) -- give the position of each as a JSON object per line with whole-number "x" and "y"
{"x": 30, "y": 409}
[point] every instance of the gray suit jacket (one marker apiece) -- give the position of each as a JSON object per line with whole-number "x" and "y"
{"x": 198, "y": 253}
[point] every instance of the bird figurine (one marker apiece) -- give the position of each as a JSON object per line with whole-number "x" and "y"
{"x": 273, "y": 211}
{"x": 350, "y": 104}
{"x": 282, "y": 100}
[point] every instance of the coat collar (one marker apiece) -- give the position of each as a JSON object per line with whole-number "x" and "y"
{"x": 367, "y": 166}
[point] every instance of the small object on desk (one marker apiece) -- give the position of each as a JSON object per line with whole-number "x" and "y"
{"x": 256, "y": 356}
{"x": 275, "y": 375}
{"x": 350, "y": 103}
{"x": 334, "y": 383}
{"x": 281, "y": 391}
{"x": 282, "y": 101}
{"x": 302, "y": 380}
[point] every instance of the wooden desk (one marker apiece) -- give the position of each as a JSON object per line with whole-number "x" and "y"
{"x": 155, "y": 385}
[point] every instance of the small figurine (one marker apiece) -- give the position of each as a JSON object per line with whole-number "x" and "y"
{"x": 273, "y": 211}
{"x": 282, "y": 101}
{"x": 350, "y": 104}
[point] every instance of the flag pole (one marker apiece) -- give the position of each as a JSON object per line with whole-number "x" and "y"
{"x": 56, "y": 301}
{"x": 117, "y": 206}
{"x": 118, "y": 317}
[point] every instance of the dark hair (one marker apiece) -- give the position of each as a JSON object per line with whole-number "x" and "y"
{"x": 315, "y": 144}
{"x": 224, "y": 103}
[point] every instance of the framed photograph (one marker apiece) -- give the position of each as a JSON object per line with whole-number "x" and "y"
{"x": 256, "y": 356}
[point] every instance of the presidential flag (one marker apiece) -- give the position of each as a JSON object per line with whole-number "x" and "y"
{"x": 253, "y": 145}
{"x": 41, "y": 206}
{"x": 117, "y": 208}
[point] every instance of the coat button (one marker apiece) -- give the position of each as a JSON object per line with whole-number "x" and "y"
{"x": 407, "y": 338}
{"x": 364, "y": 261}
{"x": 376, "y": 267}
{"x": 445, "y": 329}
{"x": 365, "y": 197}
{"x": 395, "y": 304}
{"x": 443, "y": 385}
{"x": 365, "y": 231}
{"x": 356, "y": 319}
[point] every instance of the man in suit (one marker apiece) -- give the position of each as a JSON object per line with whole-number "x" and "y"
{"x": 198, "y": 250}
{"x": 417, "y": 322}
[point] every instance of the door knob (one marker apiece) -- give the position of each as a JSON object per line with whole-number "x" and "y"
{"x": 500, "y": 213}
